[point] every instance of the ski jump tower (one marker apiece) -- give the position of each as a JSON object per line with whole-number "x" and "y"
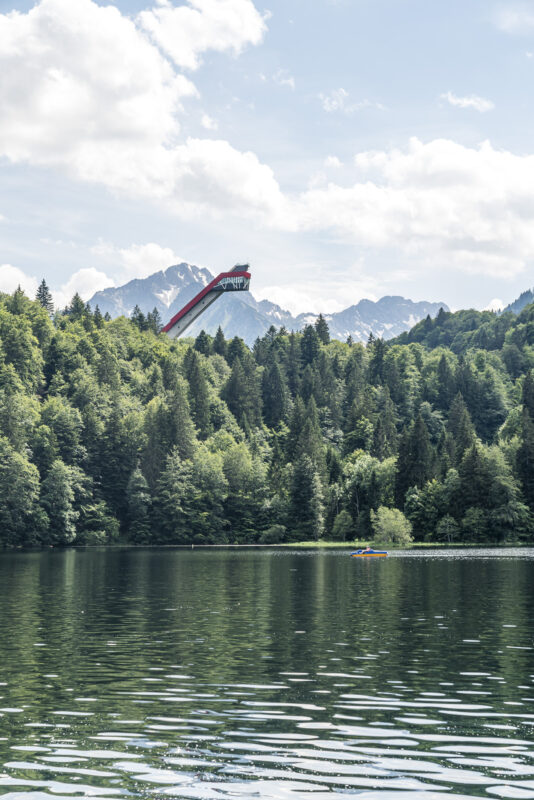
{"x": 237, "y": 280}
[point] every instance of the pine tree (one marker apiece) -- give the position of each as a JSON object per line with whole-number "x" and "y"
{"x": 296, "y": 426}
{"x": 153, "y": 321}
{"x": 219, "y": 343}
{"x": 475, "y": 484}
{"x": 178, "y": 428}
{"x": 236, "y": 349}
{"x": 274, "y": 393}
{"x": 528, "y": 393}
{"x": 310, "y": 345}
{"x": 446, "y": 384}
{"x": 525, "y": 457}
{"x": 58, "y": 502}
{"x": 174, "y": 501}
{"x": 139, "y": 504}
{"x": 98, "y": 318}
{"x": 199, "y": 399}
{"x": 321, "y": 326}
{"x": 44, "y": 297}
{"x": 76, "y": 309}
{"x": 293, "y": 365}
{"x": 203, "y": 343}
{"x": 22, "y": 521}
{"x": 376, "y": 362}
{"x": 310, "y": 441}
{"x": 461, "y": 427}
{"x": 235, "y": 392}
{"x": 415, "y": 461}
{"x": 138, "y": 318}
{"x": 306, "y": 504}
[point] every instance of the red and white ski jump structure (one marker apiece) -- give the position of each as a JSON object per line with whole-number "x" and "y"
{"x": 237, "y": 280}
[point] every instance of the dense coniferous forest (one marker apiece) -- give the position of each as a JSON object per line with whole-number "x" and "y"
{"x": 109, "y": 431}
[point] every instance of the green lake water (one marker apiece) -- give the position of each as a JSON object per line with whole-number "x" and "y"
{"x": 218, "y": 674}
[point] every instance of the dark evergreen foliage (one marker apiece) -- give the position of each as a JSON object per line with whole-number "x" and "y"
{"x": 109, "y": 429}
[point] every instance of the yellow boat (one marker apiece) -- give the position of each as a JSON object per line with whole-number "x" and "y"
{"x": 369, "y": 554}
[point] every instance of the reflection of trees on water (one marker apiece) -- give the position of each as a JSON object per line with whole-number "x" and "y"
{"x": 110, "y": 619}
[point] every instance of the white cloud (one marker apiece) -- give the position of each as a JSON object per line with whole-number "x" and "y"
{"x": 86, "y": 282}
{"x": 495, "y": 305}
{"x": 313, "y": 296}
{"x": 12, "y": 277}
{"x": 332, "y": 162}
{"x": 440, "y": 203}
{"x": 338, "y": 100}
{"x": 283, "y": 78}
{"x": 185, "y": 32}
{"x": 471, "y": 101}
{"x": 209, "y": 123}
{"x": 78, "y": 80}
{"x": 515, "y": 18}
{"x": 82, "y": 88}
{"x": 138, "y": 261}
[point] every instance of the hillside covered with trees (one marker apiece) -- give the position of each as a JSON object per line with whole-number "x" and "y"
{"x": 109, "y": 431}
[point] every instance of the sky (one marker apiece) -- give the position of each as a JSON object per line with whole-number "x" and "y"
{"x": 343, "y": 148}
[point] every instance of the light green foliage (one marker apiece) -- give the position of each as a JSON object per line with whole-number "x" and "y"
{"x": 447, "y": 529}
{"x": 343, "y": 527}
{"x": 58, "y": 502}
{"x": 390, "y": 526}
{"x": 273, "y": 535}
{"x": 22, "y": 521}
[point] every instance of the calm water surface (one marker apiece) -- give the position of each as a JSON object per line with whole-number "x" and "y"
{"x": 246, "y": 674}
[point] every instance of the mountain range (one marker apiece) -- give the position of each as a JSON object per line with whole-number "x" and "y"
{"x": 524, "y": 299}
{"x": 242, "y": 315}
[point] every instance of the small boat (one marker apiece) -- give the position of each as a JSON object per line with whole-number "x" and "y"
{"x": 369, "y": 553}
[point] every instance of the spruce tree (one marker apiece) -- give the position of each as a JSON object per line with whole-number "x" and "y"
{"x": 44, "y": 297}
{"x": 528, "y": 393}
{"x": 461, "y": 427}
{"x": 153, "y": 321}
{"x": 525, "y": 458}
{"x": 446, "y": 384}
{"x": 294, "y": 364}
{"x": 199, "y": 399}
{"x": 98, "y": 318}
{"x": 274, "y": 395}
{"x": 76, "y": 309}
{"x": 415, "y": 461}
{"x": 58, "y": 502}
{"x": 306, "y": 505}
{"x": 310, "y": 345}
{"x": 323, "y": 332}
{"x": 174, "y": 501}
{"x": 139, "y": 504}
{"x": 178, "y": 428}
{"x": 138, "y": 318}
{"x": 219, "y": 343}
{"x": 203, "y": 343}
{"x": 235, "y": 392}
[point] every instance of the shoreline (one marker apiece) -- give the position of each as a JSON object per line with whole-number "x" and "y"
{"x": 309, "y": 545}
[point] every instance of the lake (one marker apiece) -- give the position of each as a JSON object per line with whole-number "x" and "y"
{"x": 249, "y": 673}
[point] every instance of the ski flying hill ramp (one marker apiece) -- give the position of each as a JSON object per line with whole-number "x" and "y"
{"x": 237, "y": 280}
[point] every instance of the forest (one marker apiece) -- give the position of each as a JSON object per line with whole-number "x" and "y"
{"x": 112, "y": 433}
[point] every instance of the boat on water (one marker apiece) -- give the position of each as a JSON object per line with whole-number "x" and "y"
{"x": 369, "y": 553}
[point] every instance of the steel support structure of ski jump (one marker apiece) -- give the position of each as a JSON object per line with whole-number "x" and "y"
{"x": 237, "y": 280}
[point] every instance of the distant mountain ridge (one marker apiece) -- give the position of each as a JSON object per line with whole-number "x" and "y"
{"x": 242, "y": 315}
{"x": 524, "y": 299}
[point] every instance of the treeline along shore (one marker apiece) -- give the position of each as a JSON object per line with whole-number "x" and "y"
{"x": 111, "y": 432}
